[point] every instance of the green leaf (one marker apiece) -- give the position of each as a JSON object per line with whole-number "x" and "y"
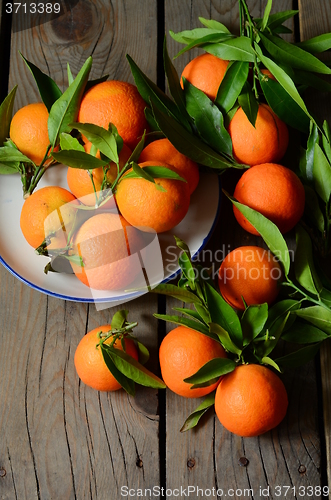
{"x": 191, "y": 313}
{"x": 214, "y": 25}
{"x": 143, "y": 353}
{"x": 174, "y": 86}
{"x": 318, "y": 316}
{"x": 67, "y": 142}
{"x": 208, "y": 119}
{"x": 283, "y": 104}
{"x": 326, "y": 297}
{"x": 224, "y": 338}
{"x": 69, "y": 73}
{"x": 78, "y": 159}
{"x": 236, "y": 49}
{"x": 119, "y": 319}
{"x": 304, "y": 266}
{"x": 266, "y": 15}
{"x": 102, "y": 139}
{"x": 152, "y": 172}
{"x": 312, "y": 209}
{"x": 274, "y": 335}
{"x": 190, "y": 323}
{"x": 134, "y": 370}
{"x": 291, "y": 54}
{"x": 187, "y": 268}
{"x": 6, "y": 113}
{"x": 279, "y": 310}
{"x": 253, "y": 321}
{"x": 65, "y": 109}
{"x": 152, "y": 94}
{"x": 48, "y": 89}
{"x": 317, "y": 44}
{"x": 283, "y": 79}
{"x": 313, "y": 139}
{"x": 127, "y": 384}
{"x": 210, "y": 38}
{"x": 307, "y": 78}
{"x": 322, "y": 174}
{"x": 139, "y": 172}
{"x": 214, "y": 368}
{"x": 299, "y": 357}
{"x": 223, "y": 314}
{"x": 9, "y": 154}
{"x": 177, "y": 293}
{"x": 269, "y": 232}
{"x": 276, "y": 20}
{"x": 326, "y": 140}
{"x": 203, "y": 313}
{"x": 188, "y": 144}
{"x": 268, "y": 361}
{"x": 195, "y": 416}
{"x": 187, "y": 36}
{"x": 303, "y": 333}
{"x": 249, "y": 103}
{"x": 9, "y": 168}
{"x": 231, "y": 85}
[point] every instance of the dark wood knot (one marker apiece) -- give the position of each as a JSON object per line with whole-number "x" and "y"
{"x": 243, "y": 461}
{"x": 191, "y": 463}
{"x": 3, "y": 472}
{"x": 302, "y": 469}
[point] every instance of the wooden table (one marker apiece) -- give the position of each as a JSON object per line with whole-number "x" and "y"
{"x": 62, "y": 440}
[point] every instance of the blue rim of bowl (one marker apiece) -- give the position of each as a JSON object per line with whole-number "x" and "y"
{"x": 128, "y": 296}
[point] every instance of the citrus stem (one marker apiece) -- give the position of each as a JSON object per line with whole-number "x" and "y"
{"x": 305, "y": 296}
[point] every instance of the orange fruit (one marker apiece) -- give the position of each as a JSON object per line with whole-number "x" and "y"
{"x": 105, "y": 243}
{"x": 79, "y": 180}
{"x": 89, "y": 362}
{"x": 28, "y": 130}
{"x": 274, "y": 191}
{"x": 182, "y": 353}
{"x": 115, "y": 102}
{"x": 206, "y": 73}
{"x": 251, "y": 400}
{"x": 163, "y": 151}
{"x": 264, "y": 143}
{"x": 48, "y": 210}
{"x": 249, "y": 272}
{"x": 144, "y": 205}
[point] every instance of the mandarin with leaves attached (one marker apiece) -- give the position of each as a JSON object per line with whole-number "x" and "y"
{"x": 162, "y": 150}
{"x": 90, "y": 365}
{"x": 29, "y": 132}
{"x": 153, "y": 206}
{"x": 115, "y": 102}
{"x": 80, "y": 180}
{"x": 205, "y": 72}
{"x": 183, "y": 352}
{"x": 48, "y": 210}
{"x": 266, "y": 142}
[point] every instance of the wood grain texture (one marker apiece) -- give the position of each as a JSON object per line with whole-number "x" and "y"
{"x": 275, "y": 458}
{"x": 315, "y": 19}
{"x": 63, "y": 439}
{"x": 105, "y": 29}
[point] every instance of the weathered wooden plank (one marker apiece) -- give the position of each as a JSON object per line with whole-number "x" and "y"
{"x": 315, "y": 19}
{"x": 209, "y": 457}
{"x": 62, "y": 439}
